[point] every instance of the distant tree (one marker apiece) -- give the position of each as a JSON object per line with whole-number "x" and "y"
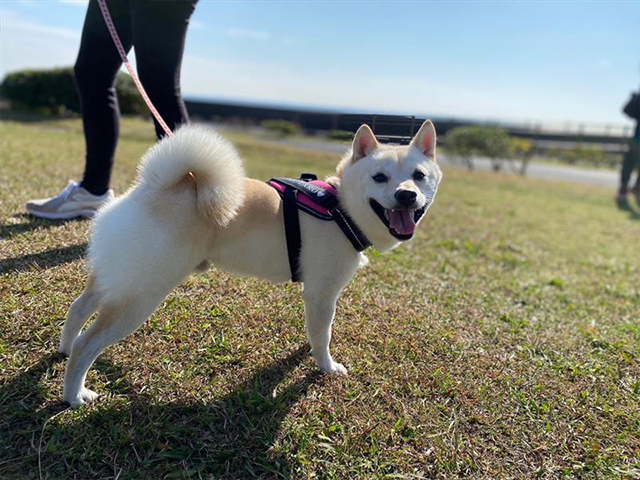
{"x": 53, "y": 92}
{"x": 522, "y": 149}
{"x": 465, "y": 143}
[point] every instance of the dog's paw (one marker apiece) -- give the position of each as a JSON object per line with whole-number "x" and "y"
{"x": 84, "y": 396}
{"x": 334, "y": 368}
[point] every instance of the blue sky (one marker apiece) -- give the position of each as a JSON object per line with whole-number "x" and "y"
{"x": 573, "y": 61}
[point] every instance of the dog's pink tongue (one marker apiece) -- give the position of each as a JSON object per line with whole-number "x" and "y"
{"x": 402, "y": 221}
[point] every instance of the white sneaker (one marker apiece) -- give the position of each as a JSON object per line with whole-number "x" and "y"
{"x": 74, "y": 201}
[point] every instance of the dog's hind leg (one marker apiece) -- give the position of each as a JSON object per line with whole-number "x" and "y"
{"x": 115, "y": 321}
{"x": 80, "y": 311}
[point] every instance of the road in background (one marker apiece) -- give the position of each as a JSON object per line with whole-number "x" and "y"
{"x": 601, "y": 177}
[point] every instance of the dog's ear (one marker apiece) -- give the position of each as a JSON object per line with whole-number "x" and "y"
{"x": 425, "y": 139}
{"x": 364, "y": 143}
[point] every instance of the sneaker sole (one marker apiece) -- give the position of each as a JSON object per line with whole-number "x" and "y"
{"x": 63, "y": 216}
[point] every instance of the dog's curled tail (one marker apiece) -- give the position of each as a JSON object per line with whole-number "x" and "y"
{"x": 213, "y": 162}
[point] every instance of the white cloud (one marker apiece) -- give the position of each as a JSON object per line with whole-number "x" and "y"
{"x": 29, "y": 3}
{"x": 257, "y": 35}
{"x": 287, "y": 40}
{"x": 277, "y": 83}
{"x": 196, "y": 24}
{"x": 375, "y": 92}
{"x": 260, "y": 35}
{"x": 76, "y": 3}
{"x": 13, "y": 22}
{"x": 29, "y": 44}
{"x": 26, "y": 43}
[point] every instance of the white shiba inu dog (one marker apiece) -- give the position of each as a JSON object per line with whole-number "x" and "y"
{"x": 192, "y": 206}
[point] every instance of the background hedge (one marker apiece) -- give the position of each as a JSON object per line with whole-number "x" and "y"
{"x": 53, "y": 92}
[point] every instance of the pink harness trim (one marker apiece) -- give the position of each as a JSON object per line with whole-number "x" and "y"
{"x": 123, "y": 56}
{"x": 318, "y": 199}
{"x": 305, "y": 200}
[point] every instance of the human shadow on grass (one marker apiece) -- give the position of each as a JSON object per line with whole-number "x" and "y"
{"x": 47, "y": 259}
{"x": 230, "y": 437}
{"x": 625, "y": 206}
{"x": 31, "y": 223}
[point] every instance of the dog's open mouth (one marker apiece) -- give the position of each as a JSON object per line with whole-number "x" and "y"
{"x": 401, "y": 222}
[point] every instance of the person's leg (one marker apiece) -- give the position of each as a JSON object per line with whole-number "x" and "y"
{"x": 159, "y": 34}
{"x": 95, "y": 72}
{"x": 630, "y": 160}
{"x": 634, "y": 153}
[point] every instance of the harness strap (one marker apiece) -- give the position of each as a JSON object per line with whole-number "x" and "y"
{"x": 292, "y": 231}
{"x": 350, "y": 230}
{"x": 319, "y": 200}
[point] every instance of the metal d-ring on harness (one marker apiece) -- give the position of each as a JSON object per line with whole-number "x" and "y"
{"x": 318, "y": 199}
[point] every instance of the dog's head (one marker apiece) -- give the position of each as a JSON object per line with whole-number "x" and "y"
{"x": 388, "y": 189}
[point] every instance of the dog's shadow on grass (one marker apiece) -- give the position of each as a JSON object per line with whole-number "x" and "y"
{"x": 24, "y": 394}
{"x": 231, "y": 437}
{"x": 25, "y": 409}
{"x": 21, "y": 398}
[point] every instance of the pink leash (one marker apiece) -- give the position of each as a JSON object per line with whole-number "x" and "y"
{"x": 123, "y": 55}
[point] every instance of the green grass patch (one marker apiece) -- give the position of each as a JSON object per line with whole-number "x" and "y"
{"x": 503, "y": 342}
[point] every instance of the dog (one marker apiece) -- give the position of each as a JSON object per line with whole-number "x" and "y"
{"x": 191, "y": 206}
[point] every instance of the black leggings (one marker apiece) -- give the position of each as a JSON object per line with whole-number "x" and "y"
{"x": 157, "y": 29}
{"x": 630, "y": 162}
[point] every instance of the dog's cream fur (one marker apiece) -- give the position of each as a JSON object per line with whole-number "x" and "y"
{"x": 191, "y": 206}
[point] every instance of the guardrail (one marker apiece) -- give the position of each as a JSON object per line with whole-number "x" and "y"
{"x": 400, "y": 129}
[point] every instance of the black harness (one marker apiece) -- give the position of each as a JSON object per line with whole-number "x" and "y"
{"x": 321, "y": 202}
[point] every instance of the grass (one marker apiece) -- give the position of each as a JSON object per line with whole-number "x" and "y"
{"x": 503, "y": 342}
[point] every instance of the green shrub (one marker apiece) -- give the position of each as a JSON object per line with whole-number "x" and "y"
{"x": 53, "y": 92}
{"x": 130, "y": 100}
{"x": 521, "y": 146}
{"x": 581, "y": 155}
{"x": 465, "y": 143}
{"x": 340, "y": 135}
{"x": 478, "y": 141}
{"x": 281, "y": 127}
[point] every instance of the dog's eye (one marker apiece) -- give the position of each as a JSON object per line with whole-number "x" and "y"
{"x": 418, "y": 175}
{"x": 380, "y": 178}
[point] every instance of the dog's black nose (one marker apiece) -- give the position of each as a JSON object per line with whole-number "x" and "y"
{"x": 406, "y": 198}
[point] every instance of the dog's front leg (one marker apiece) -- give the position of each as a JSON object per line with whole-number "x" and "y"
{"x": 319, "y": 312}
{"x": 320, "y": 307}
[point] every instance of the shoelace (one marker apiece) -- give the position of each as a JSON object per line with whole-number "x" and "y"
{"x": 68, "y": 190}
